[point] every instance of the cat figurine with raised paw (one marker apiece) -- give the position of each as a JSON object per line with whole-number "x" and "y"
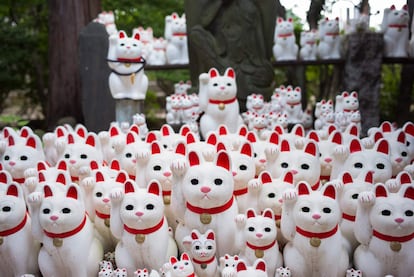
{"x": 285, "y": 47}
{"x": 179, "y": 268}
{"x": 396, "y": 31}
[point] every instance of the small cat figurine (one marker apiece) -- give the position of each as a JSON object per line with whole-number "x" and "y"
{"x": 385, "y": 228}
{"x": 258, "y": 234}
{"x": 228, "y": 265}
{"x": 308, "y": 45}
{"x": 258, "y": 269}
{"x": 158, "y": 54}
{"x": 293, "y": 105}
{"x": 353, "y": 273}
{"x": 138, "y": 221}
{"x": 61, "y": 224}
{"x": 202, "y": 250}
{"x": 282, "y": 272}
{"x": 127, "y": 79}
{"x": 218, "y": 100}
{"x": 204, "y": 199}
{"x": 147, "y": 40}
{"x": 18, "y": 249}
{"x": 310, "y": 221}
{"x": 146, "y": 273}
{"x": 285, "y": 47}
{"x": 177, "y": 50}
{"x": 329, "y": 46}
{"x": 180, "y": 268}
{"x": 396, "y": 32}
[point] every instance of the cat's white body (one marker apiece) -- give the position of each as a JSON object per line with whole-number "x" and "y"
{"x": 202, "y": 250}
{"x": 127, "y": 79}
{"x": 310, "y": 222}
{"x": 18, "y": 249}
{"x": 385, "y": 229}
{"x": 61, "y": 224}
{"x": 177, "y": 48}
{"x": 203, "y": 197}
{"x": 396, "y": 32}
{"x": 329, "y": 46}
{"x": 138, "y": 221}
{"x": 285, "y": 47}
{"x": 258, "y": 234}
{"x": 218, "y": 100}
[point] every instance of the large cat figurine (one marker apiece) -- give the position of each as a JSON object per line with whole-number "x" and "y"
{"x": 125, "y": 60}
{"x": 202, "y": 250}
{"x": 177, "y": 49}
{"x": 258, "y": 233}
{"x": 138, "y": 221}
{"x": 61, "y": 224}
{"x": 310, "y": 221}
{"x": 203, "y": 197}
{"x": 385, "y": 228}
{"x": 396, "y": 32}
{"x": 285, "y": 47}
{"x": 218, "y": 100}
{"x": 18, "y": 249}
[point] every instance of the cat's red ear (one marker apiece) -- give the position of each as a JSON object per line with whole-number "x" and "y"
{"x": 31, "y": 142}
{"x": 47, "y": 191}
{"x": 154, "y": 187}
{"x": 155, "y": 148}
{"x": 268, "y": 213}
{"x": 230, "y": 73}
{"x": 12, "y": 190}
{"x": 265, "y": 177}
{"x": 193, "y": 158}
{"x": 381, "y": 191}
{"x": 330, "y": 191}
{"x": 223, "y": 160}
{"x": 129, "y": 187}
{"x": 121, "y": 34}
{"x": 303, "y": 189}
{"x": 241, "y": 266}
{"x": 137, "y": 36}
{"x": 261, "y": 265}
{"x": 210, "y": 234}
{"x": 213, "y": 72}
{"x": 194, "y": 235}
{"x": 173, "y": 260}
{"x": 72, "y": 192}
{"x": 184, "y": 257}
{"x": 250, "y": 213}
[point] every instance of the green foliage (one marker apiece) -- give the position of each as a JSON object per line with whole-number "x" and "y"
{"x": 389, "y": 91}
{"x": 13, "y": 121}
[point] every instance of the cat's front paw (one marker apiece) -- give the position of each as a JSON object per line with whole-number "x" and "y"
{"x": 272, "y": 152}
{"x": 366, "y": 198}
{"x": 104, "y": 137}
{"x": 31, "y": 183}
{"x": 240, "y": 220}
{"x": 35, "y": 198}
{"x": 341, "y": 152}
{"x": 30, "y": 172}
{"x": 179, "y": 166}
{"x": 142, "y": 155}
{"x": 289, "y": 196}
{"x": 204, "y": 78}
{"x": 116, "y": 195}
{"x": 88, "y": 183}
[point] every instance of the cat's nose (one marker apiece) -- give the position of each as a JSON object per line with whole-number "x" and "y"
{"x": 167, "y": 174}
{"x": 54, "y": 217}
{"x": 234, "y": 173}
{"x": 139, "y": 213}
{"x": 294, "y": 171}
{"x": 398, "y": 160}
{"x": 12, "y": 163}
{"x": 259, "y": 235}
{"x": 399, "y": 220}
{"x": 105, "y": 200}
{"x": 72, "y": 161}
{"x": 262, "y": 161}
{"x": 222, "y": 87}
{"x": 316, "y": 216}
{"x": 205, "y": 189}
{"x": 328, "y": 160}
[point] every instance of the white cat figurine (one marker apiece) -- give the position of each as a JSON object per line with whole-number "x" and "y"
{"x": 385, "y": 228}
{"x": 218, "y": 100}
{"x": 329, "y": 46}
{"x": 127, "y": 79}
{"x": 138, "y": 221}
{"x": 310, "y": 221}
{"x": 285, "y": 47}
{"x": 61, "y": 224}
{"x": 18, "y": 249}
{"x": 258, "y": 269}
{"x": 396, "y": 32}
{"x": 177, "y": 48}
{"x": 179, "y": 268}
{"x": 308, "y": 50}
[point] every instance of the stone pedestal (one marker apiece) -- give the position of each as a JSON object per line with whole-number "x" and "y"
{"x": 126, "y": 108}
{"x": 363, "y": 74}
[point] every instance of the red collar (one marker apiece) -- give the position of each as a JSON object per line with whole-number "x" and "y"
{"x": 15, "y": 229}
{"x": 255, "y": 247}
{"x": 215, "y": 210}
{"x": 166, "y": 192}
{"x": 128, "y": 60}
{"x": 316, "y": 186}
{"x": 191, "y": 275}
{"x": 214, "y": 101}
{"x": 348, "y": 217}
{"x": 101, "y": 215}
{"x": 332, "y": 34}
{"x": 310, "y": 42}
{"x": 325, "y": 177}
{"x": 278, "y": 216}
{"x": 19, "y": 180}
{"x": 132, "y": 177}
{"x": 144, "y": 231}
{"x": 69, "y": 233}
{"x": 240, "y": 192}
{"x": 317, "y": 235}
{"x": 204, "y": 262}
{"x": 180, "y": 34}
{"x": 348, "y": 110}
{"x": 259, "y": 128}
{"x": 392, "y": 238}
{"x": 397, "y": 26}
{"x": 294, "y": 104}
{"x": 74, "y": 178}
{"x": 285, "y": 35}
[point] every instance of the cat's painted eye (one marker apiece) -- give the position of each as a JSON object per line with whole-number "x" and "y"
{"x": 197, "y": 247}
{"x": 243, "y": 167}
{"x": 409, "y": 213}
{"x": 149, "y": 206}
{"x": 268, "y": 229}
{"x": 408, "y": 143}
{"x": 129, "y": 207}
{"x": 210, "y": 247}
{"x": 304, "y": 166}
{"x": 327, "y": 210}
{"x": 67, "y": 156}
{"x": 66, "y": 210}
{"x": 251, "y": 229}
{"x": 6, "y": 209}
{"x": 218, "y": 182}
{"x": 98, "y": 194}
{"x": 271, "y": 195}
{"x": 194, "y": 181}
{"x": 122, "y": 44}
{"x": 175, "y": 267}
{"x": 305, "y": 209}
{"x": 358, "y": 165}
{"x": 355, "y": 196}
{"x": 229, "y": 84}
{"x": 404, "y": 154}
{"x": 386, "y": 212}
{"x": 284, "y": 165}
{"x": 128, "y": 155}
{"x": 134, "y": 44}
{"x": 165, "y": 146}
{"x": 83, "y": 156}
{"x": 380, "y": 166}
{"x": 186, "y": 263}
{"x": 46, "y": 211}
{"x": 23, "y": 158}
{"x": 215, "y": 85}
{"x": 156, "y": 168}
{"x": 255, "y": 155}
{"x": 6, "y": 158}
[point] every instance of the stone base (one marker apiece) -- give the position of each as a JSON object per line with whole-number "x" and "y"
{"x": 126, "y": 108}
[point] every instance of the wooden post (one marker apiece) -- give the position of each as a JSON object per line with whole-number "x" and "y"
{"x": 97, "y": 102}
{"x": 363, "y": 74}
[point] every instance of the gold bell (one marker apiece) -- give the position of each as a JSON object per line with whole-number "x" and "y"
{"x": 167, "y": 199}
{"x": 57, "y": 242}
{"x": 259, "y": 253}
{"x": 107, "y": 222}
{"x": 139, "y": 238}
{"x": 315, "y": 242}
{"x": 205, "y": 218}
{"x": 395, "y": 246}
{"x": 221, "y": 106}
